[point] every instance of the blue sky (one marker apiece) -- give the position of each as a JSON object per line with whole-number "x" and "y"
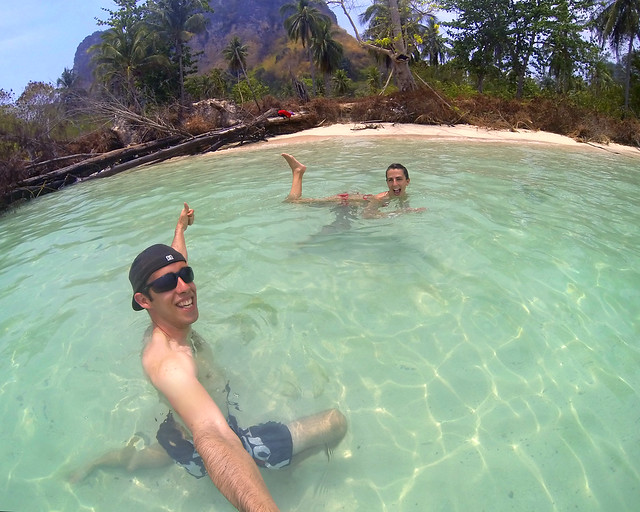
{"x": 38, "y": 38}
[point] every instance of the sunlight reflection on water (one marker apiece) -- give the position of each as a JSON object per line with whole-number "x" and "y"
{"x": 484, "y": 352}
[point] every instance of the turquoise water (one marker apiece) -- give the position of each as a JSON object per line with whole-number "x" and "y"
{"x": 485, "y": 352}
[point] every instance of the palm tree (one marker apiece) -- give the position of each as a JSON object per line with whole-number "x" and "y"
{"x": 619, "y": 23}
{"x": 303, "y": 24}
{"x": 377, "y": 19}
{"x": 434, "y": 45}
{"x": 67, "y": 79}
{"x": 391, "y": 28}
{"x": 327, "y": 53}
{"x": 235, "y": 53}
{"x": 341, "y": 82}
{"x": 121, "y": 58}
{"x": 66, "y": 88}
{"x": 373, "y": 79}
{"x": 178, "y": 21}
{"x": 211, "y": 85}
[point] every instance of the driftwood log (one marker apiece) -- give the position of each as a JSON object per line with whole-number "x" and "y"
{"x": 119, "y": 160}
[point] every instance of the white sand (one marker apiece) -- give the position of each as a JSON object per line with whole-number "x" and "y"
{"x": 441, "y": 132}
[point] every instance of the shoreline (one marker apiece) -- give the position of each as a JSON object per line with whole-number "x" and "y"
{"x": 443, "y": 133}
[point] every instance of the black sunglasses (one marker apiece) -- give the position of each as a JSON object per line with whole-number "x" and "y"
{"x": 169, "y": 281}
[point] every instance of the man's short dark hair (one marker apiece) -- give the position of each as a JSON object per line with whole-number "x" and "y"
{"x": 397, "y": 166}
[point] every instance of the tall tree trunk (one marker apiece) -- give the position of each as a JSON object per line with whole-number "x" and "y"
{"x": 402, "y": 72}
{"x": 627, "y": 77}
{"x": 312, "y": 69}
{"x": 480, "y": 83}
{"x": 519, "y": 85}
{"x": 400, "y": 58}
{"x": 246, "y": 77}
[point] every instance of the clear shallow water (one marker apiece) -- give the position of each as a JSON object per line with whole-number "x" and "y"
{"x": 485, "y": 352}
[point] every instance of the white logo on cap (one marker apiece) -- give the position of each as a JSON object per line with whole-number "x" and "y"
{"x": 169, "y": 257}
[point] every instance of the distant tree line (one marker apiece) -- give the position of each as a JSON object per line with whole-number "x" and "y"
{"x": 580, "y": 50}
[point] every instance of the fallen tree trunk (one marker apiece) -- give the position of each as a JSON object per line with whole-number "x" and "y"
{"x": 196, "y": 145}
{"x": 97, "y": 163}
{"x": 119, "y": 160}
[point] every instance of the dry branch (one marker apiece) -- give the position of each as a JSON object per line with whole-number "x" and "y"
{"x": 119, "y": 160}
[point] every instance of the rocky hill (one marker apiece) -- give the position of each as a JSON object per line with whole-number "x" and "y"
{"x": 260, "y": 26}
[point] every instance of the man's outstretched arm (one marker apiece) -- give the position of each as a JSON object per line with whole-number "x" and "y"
{"x": 229, "y": 465}
{"x": 185, "y": 220}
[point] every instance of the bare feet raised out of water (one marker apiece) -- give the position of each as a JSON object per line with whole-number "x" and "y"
{"x": 297, "y": 170}
{"x": 296, "y": 167}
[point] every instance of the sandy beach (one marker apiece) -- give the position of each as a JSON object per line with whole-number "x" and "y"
{"x": 441, "y": 132}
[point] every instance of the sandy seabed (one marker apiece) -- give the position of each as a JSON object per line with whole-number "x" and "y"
{"x": 441, "y": 132}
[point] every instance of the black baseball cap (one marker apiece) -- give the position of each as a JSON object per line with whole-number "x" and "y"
{"x": 146, "y": 263}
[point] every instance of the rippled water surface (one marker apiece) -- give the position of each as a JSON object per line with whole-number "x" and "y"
{"x": 485, "y": 352}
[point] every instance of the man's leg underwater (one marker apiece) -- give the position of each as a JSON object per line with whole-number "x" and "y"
{"x": 128, "y": 458}
{"x": 321, "y": 431}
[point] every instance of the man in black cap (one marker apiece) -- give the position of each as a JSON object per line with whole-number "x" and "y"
{"x": 163, "y": 284}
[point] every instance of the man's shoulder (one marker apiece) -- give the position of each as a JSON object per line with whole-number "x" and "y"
{"x": 156, "y": 350}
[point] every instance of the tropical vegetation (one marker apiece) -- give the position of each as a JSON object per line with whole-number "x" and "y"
{"x": 581, "y": 54}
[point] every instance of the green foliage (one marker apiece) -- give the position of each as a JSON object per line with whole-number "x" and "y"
{"x": 326, "y": 52}
{"x": 144, "y": 56}
{"x": 235, "y": 53}
{"x": 509, "y": 38}
{"x": 606, "y": 102}
{"x": 212, "y": 85}
{"x": 303, "y": 20}
{"x": 249, "y": 89}
{"x": 36, "y": 106}
{"x": 128, "y": 14}
{"x": 618, "y": 22}
{"x": 414, "y": 36}
{"x": 342, "y": 84}
{"x": 304, "y": 23}
{"x": 374, "y": 79}
{"x": 32, "y": 124}
{"x": 176, "y": 22}
{"x": 8, "y": 123}
{"x": 125, "y": 56}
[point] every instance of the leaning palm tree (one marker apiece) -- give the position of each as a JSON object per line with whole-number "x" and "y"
{"x": 235, "y": 53}
{"x": 327, "y": 53}
{"x": 178, "y": 21}
{"x": 304, "y": 21}
{"x": 619, "y": 23}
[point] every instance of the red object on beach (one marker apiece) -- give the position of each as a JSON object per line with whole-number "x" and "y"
{"x": 285, "y": 113}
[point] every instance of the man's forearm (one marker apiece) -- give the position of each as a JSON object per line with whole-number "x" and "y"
{"x": 234, "y": 473}
{"x": 184, "y": 221}
{"x": 179, "y": 243}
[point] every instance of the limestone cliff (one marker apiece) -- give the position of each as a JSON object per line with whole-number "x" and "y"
{"x": 260, "y": 26}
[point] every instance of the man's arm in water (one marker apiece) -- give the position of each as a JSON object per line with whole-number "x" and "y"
{"x": 229, "y": 465}
{"x": 184, "y": 221}
{"x": 372, "y": 210}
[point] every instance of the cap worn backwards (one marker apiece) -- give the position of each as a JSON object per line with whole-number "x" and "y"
{"x": 146, "y": 263}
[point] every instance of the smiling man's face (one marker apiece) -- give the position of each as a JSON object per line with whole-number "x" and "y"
{"x": 396, "y": 182}
{"x": 179, "y": 306}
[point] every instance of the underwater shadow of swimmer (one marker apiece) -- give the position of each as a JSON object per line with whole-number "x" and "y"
{"x": 345, "y": 213}
{"x": 338, "y": 235}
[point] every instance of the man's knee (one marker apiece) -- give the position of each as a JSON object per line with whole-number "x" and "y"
{"x": 338, "y": 423}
